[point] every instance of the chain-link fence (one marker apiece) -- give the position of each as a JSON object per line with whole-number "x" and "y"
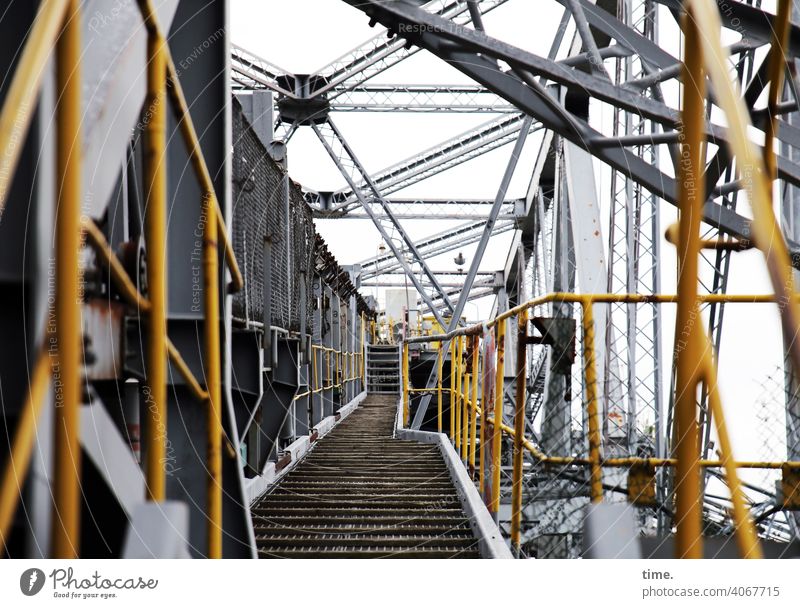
{"x": 269, "y": 213}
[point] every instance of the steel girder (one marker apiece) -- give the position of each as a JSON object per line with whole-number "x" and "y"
{"x": 420, "y": 98}
{"x": 475, "y": 54}
{"x": 450, "y": 153}
{"x": 437, "y": 244}
{"x": 380, "y": 53}
{"x": 351, "y": 69}
{"x": 350, "y": 167}
{"x": 442, "y": 209}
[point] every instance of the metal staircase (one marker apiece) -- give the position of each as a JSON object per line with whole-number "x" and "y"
{"x": 383, "y": 369}
{"x": 362, "y": 493}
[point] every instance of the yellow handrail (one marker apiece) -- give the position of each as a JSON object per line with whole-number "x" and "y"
{"x": 17, "y": 111}
{"x": 18, "y": 462}
{"x": 65, "y": 531}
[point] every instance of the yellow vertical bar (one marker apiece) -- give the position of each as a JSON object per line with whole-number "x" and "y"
{"x": 777, "y": 67}
{"x": 482, "y": 433}
{"x": 590, "y": 377}
{"x": 155, "y": 218}
{"x": 405, "y": 384}
{"x": 746, "y": 536}
{"x": 314, "y": 379}
{"x": 520, "y": 380}
{"x": 452, "y": 405}
{"x": 213, "y": 371}
{"x": 465, "y": 417}
{"x": 66, "y": 520}
{"x": 459, "y": 387}
{"x": 439, "y": 365}
{"x": 473, "y": 410}
{"x": 688, "y": 507}
{"x": 361, "y": 355}
{"x": 18, "y": 461}
{"x": 497, "y": 415}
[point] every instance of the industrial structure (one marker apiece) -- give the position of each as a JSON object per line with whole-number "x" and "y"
{"x": 189, "y": 370}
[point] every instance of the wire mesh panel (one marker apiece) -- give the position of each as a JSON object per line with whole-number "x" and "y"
{"x": 270, "y": 218}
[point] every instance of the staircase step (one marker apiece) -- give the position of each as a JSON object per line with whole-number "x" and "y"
{"x": 360, "y": 493}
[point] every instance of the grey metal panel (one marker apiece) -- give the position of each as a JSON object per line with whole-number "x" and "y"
{"x": 115, "y": 76}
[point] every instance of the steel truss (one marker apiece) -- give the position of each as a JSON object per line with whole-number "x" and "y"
{"x": 555, "y": 92}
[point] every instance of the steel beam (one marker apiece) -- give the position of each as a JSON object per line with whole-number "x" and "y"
{"x": 334, "y": 136}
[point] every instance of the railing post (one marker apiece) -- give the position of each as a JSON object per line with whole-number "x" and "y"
{"x": 67, "y": 496}
{"x": 688, "y": 507}
{"x": 497, "y": 416}
{"x": 155, "y": 217}
{"x": 465, "y": 402}
{"x": 405, "y": 384}
{"x": 459, "y": 388}
{"x": 473, "y": 410}
{"x": 519, "y": 427}
{"x": 452, "y": 405}
{"x": 482, "y": 433}
{"x": 213, "y": 371}
{"x": 439, "y": 365}
{"x": 592, "y": 413}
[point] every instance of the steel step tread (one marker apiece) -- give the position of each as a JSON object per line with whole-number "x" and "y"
{"x": 361, "y": 528}
{"x": 361, "y": 493}
{"x": 368, "y": 552}
{"x": 364, "y": 541}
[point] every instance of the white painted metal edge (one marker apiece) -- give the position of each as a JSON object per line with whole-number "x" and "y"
{"x": 491, "y": 543}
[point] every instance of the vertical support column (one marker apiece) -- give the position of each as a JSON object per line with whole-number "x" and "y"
{"x": 439, "y": 396}
{"x": 325, "y": 353}
{"x": 66, "y": 520}
{"x": 473, "y": 410}
{"x": 459, "y": 388}
{"x": 519, "y": 427}
{"x": 452, "y": 401}
{"x": 688, "y": 506}
{"x": 155, "y": 218}
{"x": 213, "y": 370}
{"x": 497, "y": 439}
{"x": 465, "y": 403}
{"x": 592, "y": 410}
{"x": 405, "y": 384}
{"x": 266, "y": 310}
{"x": 317, "y": 360}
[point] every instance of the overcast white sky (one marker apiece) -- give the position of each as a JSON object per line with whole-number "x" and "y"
{"x": 304, "y": 35}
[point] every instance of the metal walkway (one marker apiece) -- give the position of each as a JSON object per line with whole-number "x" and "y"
{"x": 362, "y": 493}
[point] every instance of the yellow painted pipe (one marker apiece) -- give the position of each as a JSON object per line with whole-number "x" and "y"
{"x": 688, "y": 497}
{"x": 452, "y": 413}
{"x": 459, "y": 388}
{"x": 519, "y": 428}
{"x": 766, "y": 232}
{"x": 19, "y": 460}
{"x": 592, "y": 410}
{"x": 155, "y": 219}
{"x": 473, "y": 409}
{"x": 776, "y": 70}
{"x": 465, "y": 417}
{"x": 67, "y": 492}
{"x": 746, "y": 536}
{"x": 20, "y": 100}
{"x": 213, "y": 369}
{"x": 482, "y": 434}
{"x": 131, "y": 294}
{"x": 439, "y": 365}
{"x": 119, "y": 275}
{"x": 497, "y": 439}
